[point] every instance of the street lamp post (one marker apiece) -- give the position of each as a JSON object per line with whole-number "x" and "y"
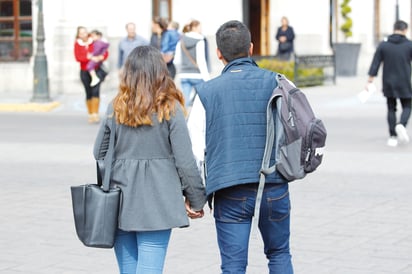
{"x": 397, "y": 10}
{"x": 40, "y": 81}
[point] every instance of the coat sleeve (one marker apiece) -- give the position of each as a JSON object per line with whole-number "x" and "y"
{"x": 201, "y": 60}
{"x": 290, "y": 34}
{"x": 278, "y": 34}
{"x": 192, "y": 185}
{"x": 196, "y": 124}
{"x": 376, "y": 62}
{"x": 101, "y": 144}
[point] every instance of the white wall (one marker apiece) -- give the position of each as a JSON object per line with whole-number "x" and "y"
{"x": 61, "y": 18}
{"x": 310, "y": 21}
{"x": 388, "y": 14}
{"x": 211, "y": 13}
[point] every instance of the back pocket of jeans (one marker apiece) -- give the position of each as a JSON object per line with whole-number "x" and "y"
{"x": 230, "y": 209}
{"x": 279, "y": 207}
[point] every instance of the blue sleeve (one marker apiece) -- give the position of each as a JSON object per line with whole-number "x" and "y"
{"x": 166, "y": 39}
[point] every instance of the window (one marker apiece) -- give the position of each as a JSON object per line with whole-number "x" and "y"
{"x": 16, "y": 35}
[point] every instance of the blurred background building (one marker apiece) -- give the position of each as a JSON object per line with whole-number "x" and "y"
{"x": 316, "y": 24}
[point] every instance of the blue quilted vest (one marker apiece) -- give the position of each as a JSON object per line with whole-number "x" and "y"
{"x": 235, "y": 105}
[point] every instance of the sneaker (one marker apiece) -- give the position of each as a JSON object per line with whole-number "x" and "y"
{"x": 402, "y": 134}
{"x": 392, "y": 141}
{"x": 95, "y": 81}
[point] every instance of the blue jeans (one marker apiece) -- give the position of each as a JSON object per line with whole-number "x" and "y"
{"x": 187, "y": 85}
{"x": 141, "y": 252}
{"x": 233, "y": 211}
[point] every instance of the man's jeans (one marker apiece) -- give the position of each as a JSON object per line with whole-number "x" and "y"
{"x": 233, "y": 211}
{"x": 141, "y": 252}
{"x": 187, "y": 85}
{"x": 405, "y": 114}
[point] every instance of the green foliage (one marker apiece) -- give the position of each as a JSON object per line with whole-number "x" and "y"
{"x": 305, "y": 77}
{"x": 286, "y": 68}
{"x": 346, "y": 27}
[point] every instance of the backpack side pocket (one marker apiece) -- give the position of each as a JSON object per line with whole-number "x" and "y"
{"x": 314, "y": 146}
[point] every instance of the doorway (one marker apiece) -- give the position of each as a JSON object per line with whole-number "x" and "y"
{"x": 256, "y": 17}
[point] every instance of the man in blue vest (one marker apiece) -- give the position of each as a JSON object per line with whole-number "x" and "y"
{"x": 231, "y": 142}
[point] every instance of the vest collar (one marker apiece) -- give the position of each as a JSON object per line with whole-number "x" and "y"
{"x": 234, "y": 65}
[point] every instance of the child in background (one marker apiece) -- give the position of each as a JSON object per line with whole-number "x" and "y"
{"x": 100, "y": 46}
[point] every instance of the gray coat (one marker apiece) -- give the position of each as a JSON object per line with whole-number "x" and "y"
{"x": 154, "y": 166}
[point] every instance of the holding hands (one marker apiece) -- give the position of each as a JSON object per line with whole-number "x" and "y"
{"x": 191, "y": 213}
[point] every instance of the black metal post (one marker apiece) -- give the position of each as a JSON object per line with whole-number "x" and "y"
{"x": 397, "y": 10}
{"x": 40, "y": 81}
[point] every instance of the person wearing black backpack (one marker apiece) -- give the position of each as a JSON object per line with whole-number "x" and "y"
{"x": 396, "y": 55}
{"x": 228, "y": 129}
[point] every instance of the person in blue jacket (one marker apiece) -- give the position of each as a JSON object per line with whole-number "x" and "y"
{"x": 164, "y": 37}
{"x": 227, "y": 124}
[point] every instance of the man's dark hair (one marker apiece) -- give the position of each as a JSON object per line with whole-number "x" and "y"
{"x": 400, "y": 25}
{"x": 233, "y": 40}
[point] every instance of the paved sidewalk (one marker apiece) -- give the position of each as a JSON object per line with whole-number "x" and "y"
{"x": 352, "y": 216}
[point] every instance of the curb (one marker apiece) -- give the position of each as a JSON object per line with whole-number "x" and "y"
{"x": 28, "y": 107}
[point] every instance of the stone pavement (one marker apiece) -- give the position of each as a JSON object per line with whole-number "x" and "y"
{"x": 352, "y": 216}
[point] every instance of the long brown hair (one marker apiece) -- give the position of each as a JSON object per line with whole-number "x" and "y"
{"x": 145, "y": 88}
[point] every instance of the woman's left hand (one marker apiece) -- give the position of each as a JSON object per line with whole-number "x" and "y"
{"x": 191, "y": 213}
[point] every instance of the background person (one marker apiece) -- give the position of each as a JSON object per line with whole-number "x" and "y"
{"x": 128, "y": 43}
{"x": 159, "y": 26}
{"x": 228, "y": 129}
{"x": 191, "y": 59}
{"x": 173, "y": 37}
{"x": 100, "y": 46}
{"x": 153, "y": 162}
{"x": 165, "y": 37}
{"x": 83, "y": 49}
{"x": 285, "y": 36}
{"x": 396, "y": 55}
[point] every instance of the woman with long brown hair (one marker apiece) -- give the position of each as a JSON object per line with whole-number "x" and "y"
{"x": 153, "y": 162}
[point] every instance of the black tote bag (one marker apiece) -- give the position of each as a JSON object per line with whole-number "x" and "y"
{"x": 96, "y": 206}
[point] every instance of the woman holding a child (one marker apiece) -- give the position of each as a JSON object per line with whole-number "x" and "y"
{"x": 83, "y": 52}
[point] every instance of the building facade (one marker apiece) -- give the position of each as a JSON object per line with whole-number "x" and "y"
{"x": 316, "y": 24}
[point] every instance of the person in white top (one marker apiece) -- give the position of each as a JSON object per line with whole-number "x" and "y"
{"x": 191, "y": 60}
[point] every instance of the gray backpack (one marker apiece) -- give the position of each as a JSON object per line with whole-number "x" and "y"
{"x": 296, "y": 134}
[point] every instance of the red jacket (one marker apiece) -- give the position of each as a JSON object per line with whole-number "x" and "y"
{"x": 81, "y": 49}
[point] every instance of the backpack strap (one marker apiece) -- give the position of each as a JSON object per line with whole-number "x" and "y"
{"x": 272, "y": 138}
{"x": 183, "y": 46}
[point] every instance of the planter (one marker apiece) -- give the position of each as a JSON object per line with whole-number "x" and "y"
{"x": 346, "y": 58}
